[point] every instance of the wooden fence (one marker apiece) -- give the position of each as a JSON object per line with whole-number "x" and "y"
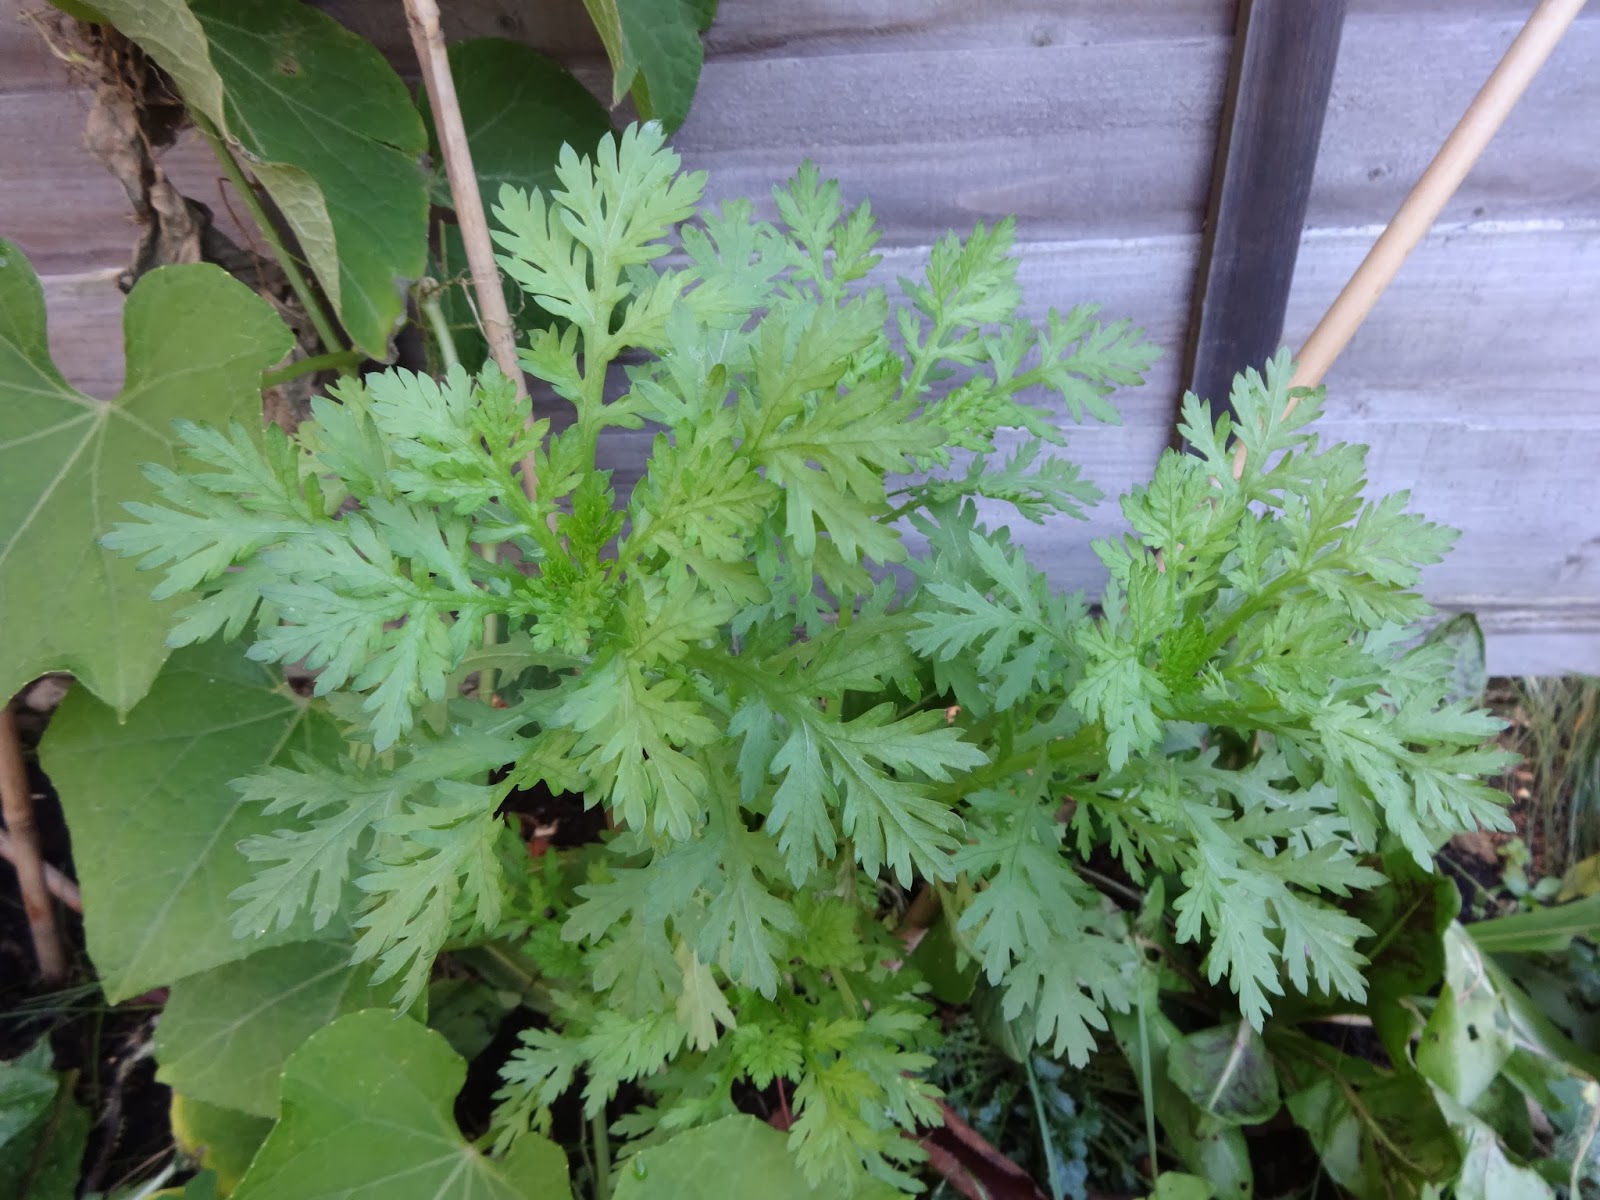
{"x": 1476, "y": 381}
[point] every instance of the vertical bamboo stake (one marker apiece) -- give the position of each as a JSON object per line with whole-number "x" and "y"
{"x": 17, "y": 799}
{"x": 427, "y": 39}
{"x": 1466, "y": 143}
{"x": 1426, "y": 200}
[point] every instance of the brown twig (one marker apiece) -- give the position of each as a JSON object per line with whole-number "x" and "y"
{"x": 16, "y": 797}
{"x": 62, "y": 888}
{"x": 1426, "y": 200}
{"x": 427, "y": 39}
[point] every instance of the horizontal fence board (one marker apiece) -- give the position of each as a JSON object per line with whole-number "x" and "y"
{"x": 1402, "y": 83}
{"x": 1070, "y": 136}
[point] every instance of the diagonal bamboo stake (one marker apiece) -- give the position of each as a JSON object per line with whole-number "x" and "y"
{"x": 427, "y": 39}
{"x": 17, "y": 799}
{"x": 1426, "y": 200}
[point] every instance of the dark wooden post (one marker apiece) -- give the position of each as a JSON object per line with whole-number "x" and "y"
{"x": 1283, "y": 57}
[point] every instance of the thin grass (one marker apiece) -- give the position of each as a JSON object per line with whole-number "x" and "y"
{"x": 1555, "y": 727}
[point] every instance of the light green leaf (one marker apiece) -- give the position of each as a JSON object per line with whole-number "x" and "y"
{"x": 1227, "y": 1073}
{"x": 197, "y": 342}
{"x": 225, "y": 1034}
{"x": 1487, "y": 1174}
{"x": 325, "y": 125}
{"x": 655, "y": 51}
{"x": 1540, "y": 930}
{"x": 222, "y": 1140}
{"x": 696, "y": 1166}
{"x": 148, "y": 802}
{"x": 1174, "y": 1185}
{"x": 1469, "y": 1036}
{"x": 387, "y": 1086}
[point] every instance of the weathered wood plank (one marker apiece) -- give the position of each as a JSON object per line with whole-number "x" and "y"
{"x": 1402, "y": 84}
{"x": 1284, "y": 56}
{"x": 1070, "y": 136}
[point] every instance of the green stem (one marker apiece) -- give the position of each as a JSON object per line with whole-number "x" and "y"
{"x": 1052, "y": 1165}
{"x": 498, "y": 964}
{"x": 491, "y": 635}
{"x": 1248, "y": 609}
{"x": 337, "y": 360}
{"x": 320, "y": 320}
{"x": 1580, "y": 1160}
{"x": 1149, "y": 1096}
{"x": 428, "y": 302}
{"x": 602, "y": 1156}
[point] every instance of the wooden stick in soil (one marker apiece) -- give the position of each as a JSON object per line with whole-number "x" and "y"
{"x": 427, "y": 39}
{"x": 17, "y": 800}
{"x": 1426, "y": 200}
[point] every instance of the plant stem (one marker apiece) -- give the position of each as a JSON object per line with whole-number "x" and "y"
{"x": 1580, "y": 1159}
{"x": 433, "y": 312}
{"x": 320, "y": 320}
{"x": 602, "y": 1156}
{"x": 1148, "y": 1096}
{"x": 336, "y": 360}
{"x": 16, "y": 801}
{"x": 1052, "y": 1165}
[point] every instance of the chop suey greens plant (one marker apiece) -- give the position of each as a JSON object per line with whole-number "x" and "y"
{"x": 786, "y": 737}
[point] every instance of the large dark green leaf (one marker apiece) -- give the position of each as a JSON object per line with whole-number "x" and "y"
{"x": 1380, "y": 1136}
{"x": 42, "y": 1129}
{"x": 197, "y": 342}
{"x": 1408, "y": 916}
{"x": 368, "y": 1115}
{"x": 326, "y": 126}
{"x": 655, "y": 52}
{"x": 519, "y": 109}
{"x": 154, "y": 823}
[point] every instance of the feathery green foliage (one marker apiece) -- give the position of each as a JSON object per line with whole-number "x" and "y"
{"x": 779, "y": 736}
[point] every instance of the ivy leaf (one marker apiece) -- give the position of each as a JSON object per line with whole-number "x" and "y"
{"x": 224, "y": 1034}
{"x": 197, "y": 342}
{"x": 387, "y": 1085}
{"x": 325, "y": 125}
{"x": 655, "y": 51}
{"x": 148, "y": 800}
